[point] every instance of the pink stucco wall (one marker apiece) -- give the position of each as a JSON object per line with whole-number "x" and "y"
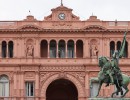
{"x": 44, "y": 70}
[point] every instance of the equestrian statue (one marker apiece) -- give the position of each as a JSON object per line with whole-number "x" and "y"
{"x": 110, "y": 72}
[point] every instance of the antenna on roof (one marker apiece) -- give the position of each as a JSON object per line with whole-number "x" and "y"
{"x": 61, "y": 2}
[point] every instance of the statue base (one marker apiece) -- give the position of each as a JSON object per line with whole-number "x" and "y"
{"x": 109, "y": 99}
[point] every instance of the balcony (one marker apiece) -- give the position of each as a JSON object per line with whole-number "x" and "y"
{"x": 19, "y": 98}
{"x": 85, "y": 61}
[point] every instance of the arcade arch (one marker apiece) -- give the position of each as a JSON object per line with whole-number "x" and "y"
{"x": 61, "y": 89}
{"x": 68, "y": 78}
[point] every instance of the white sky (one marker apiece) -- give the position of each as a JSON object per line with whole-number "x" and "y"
{"x": 107, "y": 10}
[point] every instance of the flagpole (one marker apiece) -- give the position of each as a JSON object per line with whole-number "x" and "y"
{"x": 61, "y": 2}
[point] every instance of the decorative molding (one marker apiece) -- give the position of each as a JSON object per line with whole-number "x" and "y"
{"x": 95, "y": 28}
{"x": 62, "y": 74}
{"x": 29, "y": 75}
{"x": 29, "y": 68}
{"x": 61, "y": 68}
{"x": 57, "y": 24}
{"x": 45, "y": 75}
{"x": 31, "y": 26}
{"x": 79, "y": 75}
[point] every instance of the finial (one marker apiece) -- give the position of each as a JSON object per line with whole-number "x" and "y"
{"x": 61, "y": 2}
{"x": 29, "y": 12}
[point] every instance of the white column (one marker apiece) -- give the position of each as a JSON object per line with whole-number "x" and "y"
{"x": 7, "y": 52}
{"x": 57, "y": 56}
{"x": 75, "y": 50}
{"x": 66, "y": 53}
{"x": 48, "y": 50}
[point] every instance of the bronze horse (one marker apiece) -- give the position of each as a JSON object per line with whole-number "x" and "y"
{"x": 102, "y": 78}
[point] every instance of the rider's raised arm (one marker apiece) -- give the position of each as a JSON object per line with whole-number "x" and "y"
{"x": 121, "y": 52}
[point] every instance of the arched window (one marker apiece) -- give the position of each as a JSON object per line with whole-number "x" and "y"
{"x": 10, "y": 49}
{"x": 79, "y": 49}
{"x": 52, "y": 49}
{"x": 4, "y": 86}
{"x": 4, "y": 49}
{"x": 126, "y": 50}
{"x": 70, "y": 46}
{"x": 118, "y": 46}
{"x": 44, "y": 48}
{"x": 112, "y": 48}
{"x": 61, "y": 49}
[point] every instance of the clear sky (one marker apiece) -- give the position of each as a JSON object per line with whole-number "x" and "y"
{"x": 107, "y": 10}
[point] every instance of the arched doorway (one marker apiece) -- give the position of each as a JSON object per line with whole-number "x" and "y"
{"x": 61, "y": 89}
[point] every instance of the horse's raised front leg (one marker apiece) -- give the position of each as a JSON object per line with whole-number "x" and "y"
{"x": 100, "y": 85}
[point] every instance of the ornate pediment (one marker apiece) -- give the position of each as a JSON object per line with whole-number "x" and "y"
{"x": 29, "y": 27}
{"x": 94, "y": 28}
{"x": 60, "y": 8}
{"x": 61, "y": 13}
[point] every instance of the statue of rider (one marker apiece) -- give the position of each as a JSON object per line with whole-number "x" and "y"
{"x": 114, "y": 70}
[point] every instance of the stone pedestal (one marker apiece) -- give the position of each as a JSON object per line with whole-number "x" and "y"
{"x": 109, "y": 99}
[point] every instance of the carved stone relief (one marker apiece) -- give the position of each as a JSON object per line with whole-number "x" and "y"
{"x": 63, "y": 68}
{"x": 80, "y": 76}
{"x": 29, "y": 75}
{"x": 29, "y": 68}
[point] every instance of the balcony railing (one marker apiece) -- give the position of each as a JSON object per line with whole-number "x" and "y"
{"x": 19, "y": 98}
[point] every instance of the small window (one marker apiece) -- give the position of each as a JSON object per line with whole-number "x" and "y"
{"x": 29, "y": 89}
{"x": 94, "y": 89}
{"x": 4, "y": 86}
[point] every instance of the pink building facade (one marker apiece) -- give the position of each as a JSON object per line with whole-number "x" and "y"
{"x": 55, "y": 59}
